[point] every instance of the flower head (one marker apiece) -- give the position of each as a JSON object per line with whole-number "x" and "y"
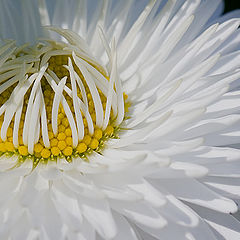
{"x": 58, "y": 103}
{"x": 119, "y": 120}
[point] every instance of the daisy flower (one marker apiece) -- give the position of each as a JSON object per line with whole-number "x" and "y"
{"x": 119, "y": 120}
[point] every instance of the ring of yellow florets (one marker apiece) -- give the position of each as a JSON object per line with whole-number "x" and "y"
{"x": 60, "y": 144}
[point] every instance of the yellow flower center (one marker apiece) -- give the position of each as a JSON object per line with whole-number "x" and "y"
{"x": 59, "y": 139}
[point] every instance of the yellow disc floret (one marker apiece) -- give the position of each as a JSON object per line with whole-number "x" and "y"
{"x": 87, "y": 139}
{"x": 109, "y": 130}
{"x": 62, "y": 145}
{"x": 55, "y": 151}
{"x": 61, "y": 136}
{"x": 69, "y": 141}
{"x": 45, "y": 153}
{"x": 9, "y": 146}
{"x": 94, "y": 143}
{"x": 2, "y": 147}
{"x": 98, "y": 134}
{"x": 23, "y": 150}
{"x": 68, "y": 132}
{"x": 68, "y": 151}
{"x": 38, "y": 147}
{"x": 61, "y": 141}
{"x": 81, "y": 148}
{"x": 54, "y": 142}
{"x": 61, "y": 128}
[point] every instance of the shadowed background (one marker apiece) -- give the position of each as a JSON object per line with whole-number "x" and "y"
{"x": 231, "y": 5}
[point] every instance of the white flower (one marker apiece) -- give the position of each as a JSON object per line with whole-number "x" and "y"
{"x": 120, "y": 120}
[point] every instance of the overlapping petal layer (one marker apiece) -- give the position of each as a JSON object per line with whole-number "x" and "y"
{"x": 174, "y": 172}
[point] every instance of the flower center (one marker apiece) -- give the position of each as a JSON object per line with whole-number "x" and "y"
{"x": 60, "y": 104}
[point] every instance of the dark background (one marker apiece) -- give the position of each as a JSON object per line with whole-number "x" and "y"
{"x": 231, "y": 5}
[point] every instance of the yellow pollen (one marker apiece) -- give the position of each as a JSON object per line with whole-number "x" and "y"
{"x": 65, "y": 122}
{"x": 38, "y": 147}
{"x": 68, "y": 132}
{"x": 87, "y": 139}
{"x": 109, "y": 130}
{"x": 50, "y": 135}
{"x": 61, "y": 144}
{"x": 9, "y": 132}
{"x": 82, "y": 147}
{"x": 2, "y": 147}
{"x": 98, "y": 134}
{"x": 60, "y": 116}
{"x": 61, "y": 128}
{"x": 69, "y": 141}
{"x": 45, "y": 153}
{"x": 54, "y": 142}
{"x": 55, "y": 151}
{"x": 94, "y": 143}
{"x": 23, "y": 150}
{"x": 9, "y": 146}
{"x": 68, "y": 151}
{"x": 61, "y": 136}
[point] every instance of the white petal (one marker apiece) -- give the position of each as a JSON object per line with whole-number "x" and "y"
{"x": 195, "y": 192}
{"x": 125, "y": 231}
{"x": 98, "y": 213}
{"x": 140, "y": 213}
